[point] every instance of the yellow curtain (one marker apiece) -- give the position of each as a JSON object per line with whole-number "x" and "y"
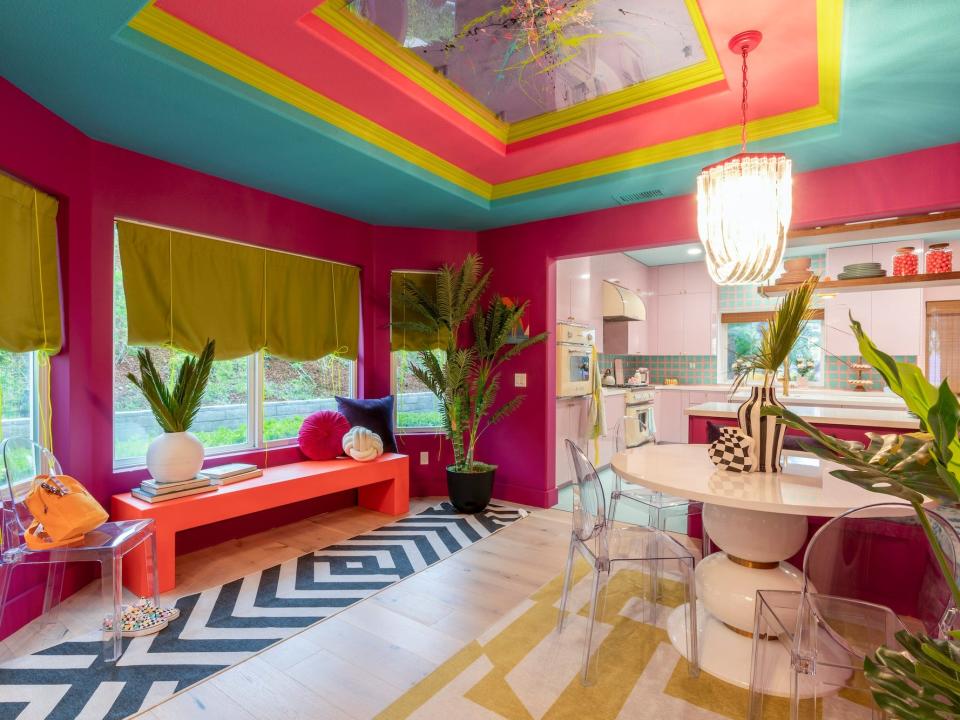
{"x": 29, "y": 277}
{"x": 182, "y": 289}
{"x": 406, "y": 338}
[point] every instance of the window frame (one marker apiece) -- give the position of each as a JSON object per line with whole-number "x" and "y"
{"x": 256, "y": 364}
{"x": 411, "y": 430}
{"x": 754, "y": 316}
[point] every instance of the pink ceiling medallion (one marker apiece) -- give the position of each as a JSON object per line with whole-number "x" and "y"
{"x": 744, "y": 203}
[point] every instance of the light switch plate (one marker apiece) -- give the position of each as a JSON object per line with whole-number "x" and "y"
{"x": 519, "y": 379}
{"x": 424, "y": 458}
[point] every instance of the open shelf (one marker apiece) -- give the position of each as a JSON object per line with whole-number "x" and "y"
{"x": 868, "y": 284}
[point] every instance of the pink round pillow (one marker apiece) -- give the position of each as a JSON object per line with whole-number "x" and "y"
{"x": 321, "y": 435}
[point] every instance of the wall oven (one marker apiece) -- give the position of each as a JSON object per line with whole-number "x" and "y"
{"x": 574, "y": 359}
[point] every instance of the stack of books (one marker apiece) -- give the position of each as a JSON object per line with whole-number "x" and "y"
{"x": 154, "y": 491}
{"x": 228, "y": 474}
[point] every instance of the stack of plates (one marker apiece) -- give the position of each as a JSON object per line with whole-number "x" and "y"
{"x": 862, "y": 270}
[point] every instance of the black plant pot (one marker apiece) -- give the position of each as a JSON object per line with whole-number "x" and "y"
{"x": 470, "y": 491}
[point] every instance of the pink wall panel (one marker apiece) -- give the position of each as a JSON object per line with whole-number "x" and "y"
{"x": 96, "y": 183}
{"x": 524, "y": 258}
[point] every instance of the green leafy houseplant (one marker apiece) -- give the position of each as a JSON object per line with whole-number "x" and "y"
{"x": 923, "y": 682}
{"x": 175, "y": 408}
{"x": 466, "y": 377}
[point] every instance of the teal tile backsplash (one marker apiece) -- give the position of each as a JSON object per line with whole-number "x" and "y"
{"x": 702, "y": 372}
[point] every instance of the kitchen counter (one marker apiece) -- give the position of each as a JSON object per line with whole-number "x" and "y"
{"x": 820, "y": 415}
{"x": 806, "y": 396}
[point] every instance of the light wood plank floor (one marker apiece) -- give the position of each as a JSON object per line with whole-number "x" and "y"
{"x": 354, "y": 664}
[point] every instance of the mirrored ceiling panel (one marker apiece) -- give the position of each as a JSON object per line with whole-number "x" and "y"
{"x": 523, "y": 58}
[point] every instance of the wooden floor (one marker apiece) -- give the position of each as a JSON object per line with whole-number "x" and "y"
{"x": 352, "y": 665}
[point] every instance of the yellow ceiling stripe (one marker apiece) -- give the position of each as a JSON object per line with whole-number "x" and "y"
{"x": 183, "y": 37}
{"x": 169, "y": 30}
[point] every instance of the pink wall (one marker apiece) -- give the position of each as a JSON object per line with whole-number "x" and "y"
{"x": 523, "y": 258}
{"x": 96, "y": 183}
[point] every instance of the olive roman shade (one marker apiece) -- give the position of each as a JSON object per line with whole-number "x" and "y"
{"x": 29, "y": 279}
{"x": 182, "y": 289}
{"x": 404, "y": 335}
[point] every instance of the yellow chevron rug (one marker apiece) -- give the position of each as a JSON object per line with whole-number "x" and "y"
{"x": 522, "y": 669}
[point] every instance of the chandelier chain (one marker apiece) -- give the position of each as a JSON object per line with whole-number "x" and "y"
{"x": 743, "y": 104}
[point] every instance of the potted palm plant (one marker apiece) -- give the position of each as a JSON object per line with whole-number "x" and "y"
{"x": 776, "y": 341}
{"x": 176, "y": 455}
{"x": 920, "y": 680}
{"x": 465, "y": 378}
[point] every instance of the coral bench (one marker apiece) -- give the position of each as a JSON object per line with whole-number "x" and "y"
{"x": 382, "y": 485}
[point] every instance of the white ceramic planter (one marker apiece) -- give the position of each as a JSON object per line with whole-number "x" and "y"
{"x": 174, "y": 457}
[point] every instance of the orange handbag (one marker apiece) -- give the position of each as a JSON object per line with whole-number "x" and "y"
{"x": 63, "y": 512}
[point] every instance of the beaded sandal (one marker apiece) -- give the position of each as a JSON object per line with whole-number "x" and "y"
{"x": 136, "y": 622}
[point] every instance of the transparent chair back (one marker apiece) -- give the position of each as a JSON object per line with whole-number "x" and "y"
{"x": 605, "y": 547}
{"x": 664, "y": 512}
{"x": 851, "y": 603}
{"x": 851, "y": 556}
{"x": 23, "y": 461}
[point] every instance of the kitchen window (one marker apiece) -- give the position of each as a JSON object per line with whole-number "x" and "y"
{"x": 251, "y": 402}
{"x": 943, "y": 343}
{"x": 740, "y": 337}
{"x": 19, "y": 395}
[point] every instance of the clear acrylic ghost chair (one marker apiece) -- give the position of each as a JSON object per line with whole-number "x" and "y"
{"x": 22, "y": 461}
{"x": 660, "y": 508}
{"x": 866, "y": 575}
{"x": 605, "y": 547}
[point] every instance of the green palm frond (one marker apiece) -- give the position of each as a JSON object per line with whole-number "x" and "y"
{"x": 781, "y": 333}
{"x": 175, "y": 410}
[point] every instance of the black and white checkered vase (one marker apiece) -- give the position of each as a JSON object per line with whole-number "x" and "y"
{"x": 731, "y": 451}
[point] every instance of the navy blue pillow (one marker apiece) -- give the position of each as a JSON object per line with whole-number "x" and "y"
{"x": 375, "y": 415}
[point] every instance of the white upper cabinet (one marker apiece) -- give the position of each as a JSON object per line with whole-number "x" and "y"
{"x": 698, "y": 313}
{"x": 670, "y": 315}
{"x": 671, "y": 279}
{"x": 837, "y": 310}
{"x": 574, "y": 296}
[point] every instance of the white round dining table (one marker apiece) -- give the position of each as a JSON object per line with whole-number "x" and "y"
{"x": 759, "y": 520}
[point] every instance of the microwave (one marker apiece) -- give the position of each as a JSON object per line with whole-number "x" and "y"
{"x": 574, "y": 360}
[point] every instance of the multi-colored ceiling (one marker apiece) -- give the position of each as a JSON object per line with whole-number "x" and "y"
{"x": 477, "y": 113}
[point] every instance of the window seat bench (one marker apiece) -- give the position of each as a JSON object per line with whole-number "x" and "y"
{"x": 383, "y": 485}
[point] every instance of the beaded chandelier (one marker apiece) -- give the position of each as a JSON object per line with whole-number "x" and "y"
{"x": 744, "y": 203}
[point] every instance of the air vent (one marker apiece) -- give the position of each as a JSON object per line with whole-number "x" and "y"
{"x": 635, "y": 197}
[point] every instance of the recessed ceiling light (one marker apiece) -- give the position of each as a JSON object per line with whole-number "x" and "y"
{"x": 585, "y": 276}
{"x": 694, "y": 251}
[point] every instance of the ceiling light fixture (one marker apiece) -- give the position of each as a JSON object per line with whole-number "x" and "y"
{"x": 694, "y": 251}
{"x": 744, "y": 203}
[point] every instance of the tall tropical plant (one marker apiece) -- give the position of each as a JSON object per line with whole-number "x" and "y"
{"x": 922, "y": 682}
{"x": 175, "y": 408}
{"x": 780, "y": 334}
{"x": 466, "y": 378}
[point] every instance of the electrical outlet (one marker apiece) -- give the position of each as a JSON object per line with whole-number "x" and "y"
{"x": 519, "y": 379}
{"x": 424, "y": 458}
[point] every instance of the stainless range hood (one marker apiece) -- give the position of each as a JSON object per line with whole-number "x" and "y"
{"x": 621, "y": 304}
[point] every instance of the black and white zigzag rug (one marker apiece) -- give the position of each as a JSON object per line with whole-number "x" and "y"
{"x": 224, "y": 625}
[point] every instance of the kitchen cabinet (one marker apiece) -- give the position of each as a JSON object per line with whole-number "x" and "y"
{"x": 614, "y": 407}
{"x": 671, "y": 423}
{"x": 671, "y": 279}
{"x": 571, "y": 421}
{"x": 670, "y": 316}
{"x": 624, "y": 337}
{"x": 685, "y": 310}
{"x": 574, "y": 291}
{"x": 697, "y": 323}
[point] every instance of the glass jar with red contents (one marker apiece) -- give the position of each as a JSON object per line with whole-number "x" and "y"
{"x": 939, "y": 258}
{"x": 906, "y": 262}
